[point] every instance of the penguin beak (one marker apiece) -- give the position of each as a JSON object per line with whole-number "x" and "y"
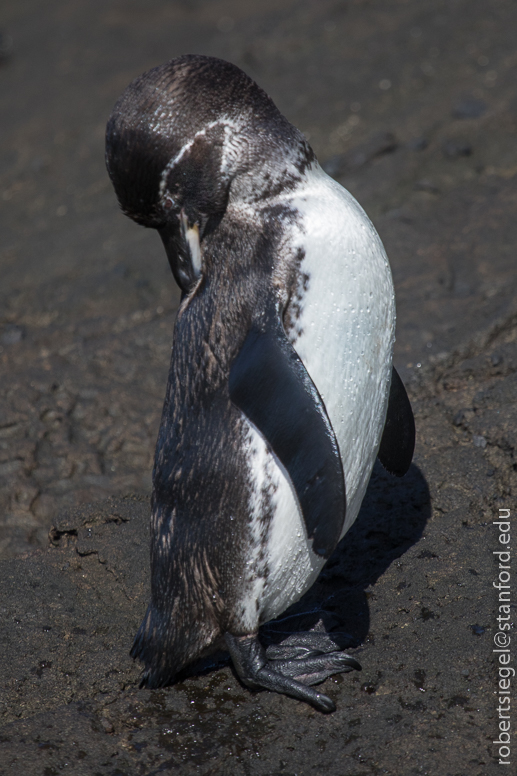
{"x": 191, "y": 236}
{"x": 183, "y": 250}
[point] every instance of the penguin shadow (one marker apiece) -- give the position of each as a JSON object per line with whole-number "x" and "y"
{"x": 392, "y": 518}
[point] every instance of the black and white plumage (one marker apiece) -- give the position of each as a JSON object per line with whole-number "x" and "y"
{"x": 279, "y": 383}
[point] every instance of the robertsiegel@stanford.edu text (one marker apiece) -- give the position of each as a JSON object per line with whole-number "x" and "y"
{"x": 502, "y": 639}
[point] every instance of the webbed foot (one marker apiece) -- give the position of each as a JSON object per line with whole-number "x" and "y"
{"x": 307, "y": 644}
{"x": 290, "y": 669}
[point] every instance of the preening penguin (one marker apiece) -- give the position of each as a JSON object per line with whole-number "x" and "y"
{"x": 281, "y": 380}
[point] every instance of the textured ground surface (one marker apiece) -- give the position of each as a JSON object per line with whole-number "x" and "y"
{"x": 413, "y": 107}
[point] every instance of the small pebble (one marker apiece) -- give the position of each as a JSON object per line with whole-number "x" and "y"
{"x": 469, "y": 108}
{"x": 12, "y": 334}
{"x": 452, "y": 149}
{"x": 418, "y": 144}
{"x": 426, "y": 185}
{"x": 458, "y": 418}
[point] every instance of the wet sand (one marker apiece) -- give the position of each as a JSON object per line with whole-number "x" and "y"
{"x": 413, "y": 108}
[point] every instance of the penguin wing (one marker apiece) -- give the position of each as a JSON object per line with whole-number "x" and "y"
{"x": 270, "y": 385}
{"x": 398, "y": 438}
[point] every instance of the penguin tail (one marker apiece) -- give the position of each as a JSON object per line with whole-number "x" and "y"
{"x": 165, "y": 647}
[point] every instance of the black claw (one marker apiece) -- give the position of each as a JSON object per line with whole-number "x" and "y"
{"x": 353, "y": 663}
{"x": 324, "y": 704}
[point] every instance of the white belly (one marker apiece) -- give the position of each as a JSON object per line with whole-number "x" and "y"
{"x": 344, "y": 334}
{"x": 281, "y": 565}
{"x": 347, "y": 325}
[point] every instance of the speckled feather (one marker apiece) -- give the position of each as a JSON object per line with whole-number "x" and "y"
{"x": 202, "y": 480}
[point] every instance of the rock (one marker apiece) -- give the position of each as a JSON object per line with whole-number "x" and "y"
{"x": 426, "y": 185}
{"x": 417, "y": 144}
{"x": 12, "y": 334}
{"x": 452, "y": 149}
{"x": 6, "y": 46}
{"x": 469, "y": 108}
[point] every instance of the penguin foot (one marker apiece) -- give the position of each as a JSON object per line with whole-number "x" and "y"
{"x": 290, "y": 676}
{"x": 304, "y": 633}
{"x": 314, "y": 670}
{"x": 308, "y": 644}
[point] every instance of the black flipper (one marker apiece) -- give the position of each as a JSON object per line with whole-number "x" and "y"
{"x": 270, "y": 385}
{"x": 398, "y": 438}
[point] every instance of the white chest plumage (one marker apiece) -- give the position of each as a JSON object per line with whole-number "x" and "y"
{"x": 343, "y": 332}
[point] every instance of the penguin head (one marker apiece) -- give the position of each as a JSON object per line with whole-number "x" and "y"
{"x": 188, "y": 137}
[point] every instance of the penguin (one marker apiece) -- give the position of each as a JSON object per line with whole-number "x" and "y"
{"x": 281, "y": 391}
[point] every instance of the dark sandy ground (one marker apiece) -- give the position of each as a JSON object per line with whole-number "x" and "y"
{"x": 413, "y": 107}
